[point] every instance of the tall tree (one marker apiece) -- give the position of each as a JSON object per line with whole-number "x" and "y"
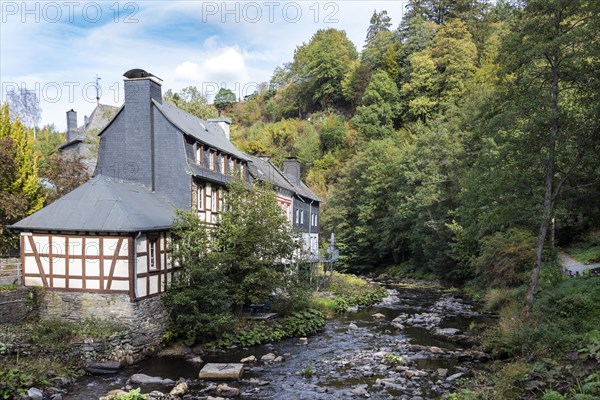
{"x": 321, "y": 65}
{"x": 20, "y": 190}
{"x": 554, "y": 56}
{"x": 223, "y": 99}
{"x": 380, "y": 22}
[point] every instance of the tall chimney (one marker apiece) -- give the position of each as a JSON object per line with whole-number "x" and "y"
{"x": 141, "y": 88}
{"x": 224, "y": 123}
{"x": 71, "y": 124}
{"x": 291, "y": 168}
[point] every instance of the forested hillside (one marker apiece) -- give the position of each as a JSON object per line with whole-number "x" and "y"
{"x": 465, "y": 127}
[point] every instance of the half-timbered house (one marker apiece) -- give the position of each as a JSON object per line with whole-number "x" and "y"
{"x": 109, "y": 237}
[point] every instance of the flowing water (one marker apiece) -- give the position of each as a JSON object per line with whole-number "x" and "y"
{"x": 346, "y": 361}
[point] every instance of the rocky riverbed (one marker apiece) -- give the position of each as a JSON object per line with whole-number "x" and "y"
{"x": 413, "y": 345}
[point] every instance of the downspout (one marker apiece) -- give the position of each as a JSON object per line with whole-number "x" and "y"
{"x": 310, "y": 227}
{"x": 135, "y": 264}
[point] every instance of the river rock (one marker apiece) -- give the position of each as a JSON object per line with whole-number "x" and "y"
{"x": 352, "y": 309}
{"x": 360, "y": 390}
{"x": 446, "y": 332}
{"x": 156, "y": 395}
{"x": 455, "y": 376}
{"x": 248, "y": 360}
{"x": 436, "y": 350}
{"x": 442, "y": 372}
{"x": 472, "y": 355}
{"x": 268, "y": 357}
{"x": 352, "y": 326}
{"x": 102, "y": 367}
{"x": 279, "y": 359}
{"x": 180, "y": 389}
{"x": 35, "y": 394}
{"x": 378, "y": 316}
{"x": 227, "y": 391}
{"x": 303, "y": 341}
{"x": 221, "y": 371}
{"x": 144, "y": 379}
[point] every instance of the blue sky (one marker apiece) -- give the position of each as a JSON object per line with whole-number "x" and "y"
{"x": 57, "y": 48}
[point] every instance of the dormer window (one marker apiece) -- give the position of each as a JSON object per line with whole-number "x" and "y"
{"x": 230, "y": 167}
{"x": 211, "y": 162}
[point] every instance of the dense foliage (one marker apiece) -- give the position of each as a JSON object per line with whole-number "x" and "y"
{"x": 470, "y": 123}
{"x": 242, "y": 260}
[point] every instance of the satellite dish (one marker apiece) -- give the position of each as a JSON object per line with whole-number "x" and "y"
{"x": 139, "y": 73}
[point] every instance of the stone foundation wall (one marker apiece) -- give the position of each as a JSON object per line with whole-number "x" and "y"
{"x": 145, "y": 319}
{"x": 15, "y": 305}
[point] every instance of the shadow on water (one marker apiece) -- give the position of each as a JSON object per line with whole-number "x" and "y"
{"x": 334, "y": 355}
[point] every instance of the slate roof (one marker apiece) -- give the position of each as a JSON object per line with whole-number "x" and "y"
{"x": 207, "y": 132}
{"x": 99, "y": 119}
{"x": 264, "y": 170}
{"x": 304, "y": 191}
{"x": 103, "y": 205}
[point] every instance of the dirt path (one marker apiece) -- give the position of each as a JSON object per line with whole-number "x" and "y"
{"x": 574, "y": 267}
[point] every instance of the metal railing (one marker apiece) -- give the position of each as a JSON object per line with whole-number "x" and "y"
{"x": 11, "y": 274}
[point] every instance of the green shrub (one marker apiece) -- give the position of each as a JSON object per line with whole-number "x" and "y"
{"x": 552, "y": 395}
{"x": 307, "y": 372}
{"x": 133, "y": 394}
{"x": 301, "y": 323}
{"x": 14, "y": 382}
{"x": 505, "y": 258}
{"x": 394, "y": 359}
{"x": 564, "y": 317}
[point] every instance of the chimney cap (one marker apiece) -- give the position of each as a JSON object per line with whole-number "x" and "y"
{"x": 137, "y": 73}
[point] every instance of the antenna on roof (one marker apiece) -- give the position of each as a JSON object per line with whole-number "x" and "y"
{"x": 97, "y": 89}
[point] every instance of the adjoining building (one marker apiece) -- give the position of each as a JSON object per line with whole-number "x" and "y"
{"x": 299, "y": 203}
{"x": 82, "y": 142}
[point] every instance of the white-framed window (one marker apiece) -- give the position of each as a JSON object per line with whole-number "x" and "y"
{"x": 230, "y": 166}
{"x": 221, "y": 200}
{"x": 152, "y": 255}
{"x": 215, "y": 200}
{"x": 301, "y": 216}
{"x": 223, "y": 166}
{"x": 297, "y": 216}
{"x": 313, "y": 219}
{"x": 208, "y": 198}
{"x": 200, "y": 192}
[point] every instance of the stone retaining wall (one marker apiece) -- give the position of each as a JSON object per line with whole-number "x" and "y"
{"x": 145, "y": 319}
{"x": 15, "y": 305}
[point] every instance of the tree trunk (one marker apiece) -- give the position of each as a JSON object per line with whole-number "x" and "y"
{"x": 548, "y": 186}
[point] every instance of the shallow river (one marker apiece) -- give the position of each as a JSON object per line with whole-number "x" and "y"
{"x": 347, "y": 362}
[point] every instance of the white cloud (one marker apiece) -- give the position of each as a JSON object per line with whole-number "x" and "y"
{"x": 175, "y": 40}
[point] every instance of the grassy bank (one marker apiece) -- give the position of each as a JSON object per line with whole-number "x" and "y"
{"x": 345, "y": 290}
{"x": 552, "y": 354}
